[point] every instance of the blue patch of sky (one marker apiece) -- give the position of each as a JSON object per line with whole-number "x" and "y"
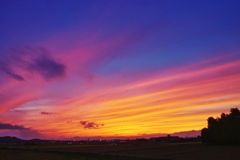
{"x": 157, "y": 57}
{"x": 23, "y": 22}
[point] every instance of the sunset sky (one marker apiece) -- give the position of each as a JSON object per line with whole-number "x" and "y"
{"x": 116, "y": 68}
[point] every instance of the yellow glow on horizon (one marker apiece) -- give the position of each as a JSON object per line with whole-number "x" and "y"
{"x": 185, "y": 104}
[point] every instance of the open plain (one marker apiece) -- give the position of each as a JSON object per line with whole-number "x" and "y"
{"x": 123, "y": 151}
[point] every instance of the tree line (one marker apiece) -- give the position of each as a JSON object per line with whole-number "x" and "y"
{"x": 223, "y": 130}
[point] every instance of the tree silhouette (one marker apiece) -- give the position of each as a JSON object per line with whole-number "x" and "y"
{"x": 223, "y": 130}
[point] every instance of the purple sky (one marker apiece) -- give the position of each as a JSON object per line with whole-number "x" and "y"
{"x": 116, "y": 68}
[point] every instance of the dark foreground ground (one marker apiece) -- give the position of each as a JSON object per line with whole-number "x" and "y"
{"x": 120, "y": 151}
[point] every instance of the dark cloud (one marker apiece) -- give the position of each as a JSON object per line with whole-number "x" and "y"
{"x": 12, "y": 127}
{"x": 90, "y": 125}
{"x": 7, "y": 70}
{"x": 31, "y": 60}
{"x": 47, "y": 113}
{"x": 83, "y": 122}
{"x": 20, "y": 131}
{"x": 47, "y": 67}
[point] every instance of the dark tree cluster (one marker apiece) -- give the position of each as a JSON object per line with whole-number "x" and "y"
{"x": 223, "y": 130}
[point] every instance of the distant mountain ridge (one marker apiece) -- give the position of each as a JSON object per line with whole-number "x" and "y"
{"x": 8, "y": 139}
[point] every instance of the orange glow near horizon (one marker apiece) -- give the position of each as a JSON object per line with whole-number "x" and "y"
{"x": 175, "y": 102}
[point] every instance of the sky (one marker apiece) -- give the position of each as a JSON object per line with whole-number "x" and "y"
{"x": 122, "y": 68}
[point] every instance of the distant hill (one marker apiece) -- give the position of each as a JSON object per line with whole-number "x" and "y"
{"x": 9, "y": 139}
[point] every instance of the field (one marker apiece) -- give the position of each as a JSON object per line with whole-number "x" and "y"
{"x": 121, "y": 151}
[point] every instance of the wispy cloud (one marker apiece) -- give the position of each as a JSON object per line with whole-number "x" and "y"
{"x": 8, "y": 71}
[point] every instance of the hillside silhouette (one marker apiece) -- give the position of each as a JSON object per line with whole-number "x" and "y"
{"x": 8, "y": 139}
{"x": 224, "y": 130}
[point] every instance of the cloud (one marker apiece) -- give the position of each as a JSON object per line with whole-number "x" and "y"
{"x": 47, "y": 113}
{"x": 31, "y": 60}
{"x": 19, "y": 131}
{"x": 90, "y": 125}
{"x": 83, "y": 123}
{"x": 7, "y": 70}
{"x": 47, "y": 67}
{"x": 8, "y": 126}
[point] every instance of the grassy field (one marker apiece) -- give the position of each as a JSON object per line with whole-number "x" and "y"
{"x": 123, "y": 151}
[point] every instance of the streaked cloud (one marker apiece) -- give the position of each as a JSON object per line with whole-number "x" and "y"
{"x": 8, "y": 71}
{"x": 141, "y": 69}
{"x": 48, "y": 113}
